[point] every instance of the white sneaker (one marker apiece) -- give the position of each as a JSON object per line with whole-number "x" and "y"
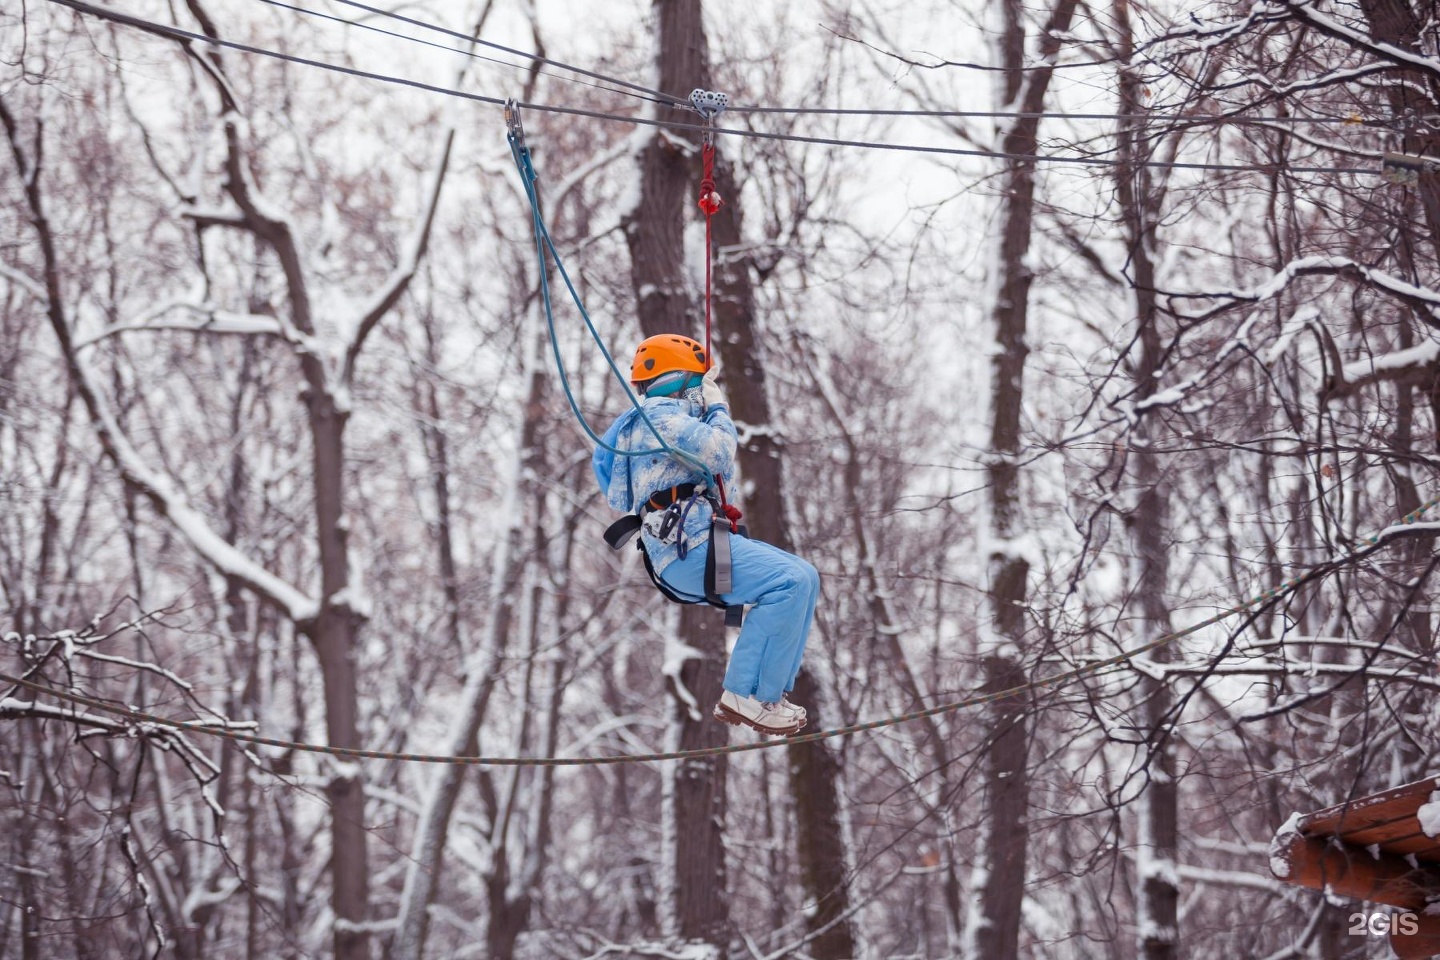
{"x": 772, "y": 718}
{"x": 794, "y": 708}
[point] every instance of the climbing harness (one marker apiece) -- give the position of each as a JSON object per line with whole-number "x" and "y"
{"x": 663, "y": 516}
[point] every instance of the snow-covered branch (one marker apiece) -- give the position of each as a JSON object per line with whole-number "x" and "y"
{"x": 1423, "y": 299}
{"x": 171, "y": 502}
{"x": 1400, "y": 365}
{"x": 197, "y": 318}
{"x": 162, "y": 493}
{"x": 1331, "y": 78}
{"x": 26, "y": 283}
{"x": 1304, "y": 10}
{"x": 410, "y": 256}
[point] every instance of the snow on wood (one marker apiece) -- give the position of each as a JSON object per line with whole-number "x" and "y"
{"x": 677, "y": 653}
{"x": 202, "y": 319}
{"x": 15, "y": 707}
{"x": 1280, "y": 864}
{"x": 1214, "y": 877}
{"x": 1387, "y": 51}
{"x": 1428, "y": 816}
{"x": 189, "y": 522}
{"x": 1388, "y": 365}
{"x": 1332, "y": 265}
{"x": 24, "y": 282}
{"x": 1298, "y": 321}
{"x": 201, "y": 897}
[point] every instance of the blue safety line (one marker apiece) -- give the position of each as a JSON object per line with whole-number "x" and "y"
{"x": 528, "y": 176}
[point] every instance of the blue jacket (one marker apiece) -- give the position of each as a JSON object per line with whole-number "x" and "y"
{"x": 627, "y": 482}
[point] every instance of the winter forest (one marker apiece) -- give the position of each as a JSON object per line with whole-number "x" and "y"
{"x": 1090, "y": 351}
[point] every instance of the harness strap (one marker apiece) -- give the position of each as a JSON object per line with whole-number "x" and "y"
{"x": 669, "y": 592}
{"x": 664, "y": 498}
{"x": 719, "y": 571}
{"x": 719, "y": 564}
{"x": 619, "y": 533}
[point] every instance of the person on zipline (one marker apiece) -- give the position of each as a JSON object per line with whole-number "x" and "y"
{"x": 675, "y": 502}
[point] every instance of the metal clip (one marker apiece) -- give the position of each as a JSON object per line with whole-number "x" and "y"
{"x": 669, "y": 530}
{"x": 709, "y": 104}
{"x": 515, "y": 129}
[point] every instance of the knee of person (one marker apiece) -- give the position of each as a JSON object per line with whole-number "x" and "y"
{"x": 799, "y": 577}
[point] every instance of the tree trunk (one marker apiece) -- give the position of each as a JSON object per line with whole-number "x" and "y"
{"x": 1397, "y": 23}
{"x": 334, "y": 636}
{"x": 1157, "y": 845}
{"x": 422, "y": 878}
{"x": 671, "y": 183}
{"x": 814, "y": 771}
{"x": 994, "y": 932}
{"x": 694, "y": 807}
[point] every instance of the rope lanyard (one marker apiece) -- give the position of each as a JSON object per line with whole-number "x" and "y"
{"x": 520, "y": 153}
{"x": 1056, "y": 681}
{"x": 710, "y": 105}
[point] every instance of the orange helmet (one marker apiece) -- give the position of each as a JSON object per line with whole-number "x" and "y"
{"x": 667, "y": 352}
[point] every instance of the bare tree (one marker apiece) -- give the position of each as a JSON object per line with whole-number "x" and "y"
{"x": 331, "y": 619}
{"x": 695, "y": 793}
{"x": 994, "y": 927}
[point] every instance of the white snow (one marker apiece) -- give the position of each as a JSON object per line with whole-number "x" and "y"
{"x": 1429, "y": 816}
{"x": 199, "y": 897}
{"x": 1164, "y": 398}
{"x": 1228, "y": 878}
{"x": 1375, "y": 366}
{"x": 1159, "y": 868}
{"x": 677, "y": 652}
{"x": 1279, "y": 862}
{"x": 369, "y": 926}
{"x": 1297, "y": 322}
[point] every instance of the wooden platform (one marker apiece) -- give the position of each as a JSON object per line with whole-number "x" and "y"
{"x": 1375, "y": 849}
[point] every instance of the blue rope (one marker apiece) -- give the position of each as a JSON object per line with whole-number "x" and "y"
{"x": 528, "y": 176}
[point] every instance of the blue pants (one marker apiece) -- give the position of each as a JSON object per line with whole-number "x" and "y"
{"x": 783, "y": 590}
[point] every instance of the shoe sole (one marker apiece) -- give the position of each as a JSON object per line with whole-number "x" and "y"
{"x": 725, "y": 715}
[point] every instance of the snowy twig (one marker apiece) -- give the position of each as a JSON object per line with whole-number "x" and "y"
{"x": 1304, "y": 10}
{"x": 203, "y": 319}
{"x": 22, "y": 281}
{"x": 409, "y": 262}
{"x": 1423, "y": 299}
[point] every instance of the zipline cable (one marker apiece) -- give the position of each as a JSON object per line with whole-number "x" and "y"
{"x": 656, "y": 95}
{"x": 445, "y": 47}
{"x": 1056, "y": 681}
{"x": 1224, "y": 118}
{"x": 467, "y": 53}
{"x": 177, "y": 33}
